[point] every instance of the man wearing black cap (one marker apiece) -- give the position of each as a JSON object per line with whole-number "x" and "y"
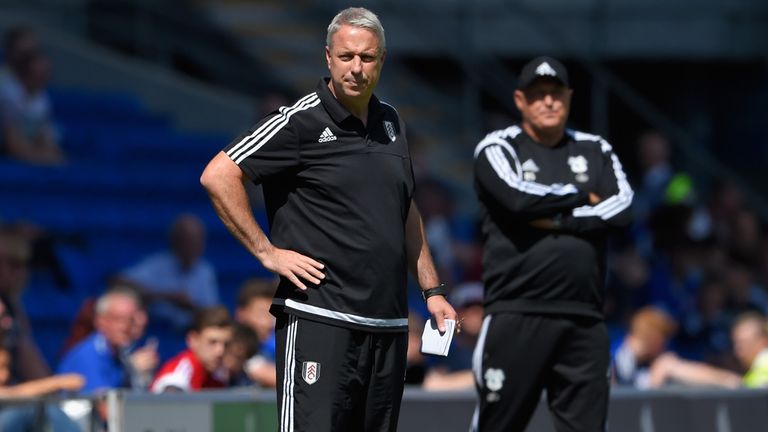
{"x": 549, "y": 197}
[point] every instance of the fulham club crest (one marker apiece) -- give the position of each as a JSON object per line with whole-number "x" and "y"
{"x": 310, "y": 371}
{"x": 390, "y": 129}
{"x": 579, "y": 167}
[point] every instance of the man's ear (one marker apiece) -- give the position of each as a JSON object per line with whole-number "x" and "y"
{"x": 328, "y": 56}
{"x": 520, "y": 101}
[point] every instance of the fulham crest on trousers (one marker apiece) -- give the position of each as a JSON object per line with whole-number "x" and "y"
{"x": 310, "y": 371}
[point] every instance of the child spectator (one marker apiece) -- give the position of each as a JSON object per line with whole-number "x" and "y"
{"x": 201, "y": 365}
{"x": 253, "y": 303}
{"x": 244, "y": 345}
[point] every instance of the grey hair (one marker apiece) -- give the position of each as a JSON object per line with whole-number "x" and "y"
{"x": 357, "y": 17}
{"x": 104, "y": 301}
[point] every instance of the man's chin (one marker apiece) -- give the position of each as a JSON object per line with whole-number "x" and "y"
{"x": 550, "y": 126}
{"x": 355, "y": 90}
{"x": 352, "y": 93}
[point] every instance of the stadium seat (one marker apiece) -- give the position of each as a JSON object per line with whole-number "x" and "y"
{"x": 130, "y": 172}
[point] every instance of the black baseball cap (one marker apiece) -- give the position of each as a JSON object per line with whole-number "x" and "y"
{"x": 545, "y": 67}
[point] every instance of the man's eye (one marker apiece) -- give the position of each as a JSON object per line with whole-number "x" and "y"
{"x": 345, "y": 57}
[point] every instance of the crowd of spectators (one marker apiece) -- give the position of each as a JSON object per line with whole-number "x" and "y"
{"x": 697, "y": 257}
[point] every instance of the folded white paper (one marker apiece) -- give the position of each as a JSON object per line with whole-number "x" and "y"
{"x": 432, "y": 342}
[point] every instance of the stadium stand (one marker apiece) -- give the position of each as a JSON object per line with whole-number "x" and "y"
{"x": 130, "y": 173}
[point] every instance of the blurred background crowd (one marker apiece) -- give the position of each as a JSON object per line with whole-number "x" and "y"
{"x": 112, "y": 262}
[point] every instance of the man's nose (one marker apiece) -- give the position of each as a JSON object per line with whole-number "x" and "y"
{"x": 548, "y": 99}
{"x": 357, "y": 65}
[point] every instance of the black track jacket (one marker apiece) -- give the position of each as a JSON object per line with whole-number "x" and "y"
{"x": 518, "y": 180}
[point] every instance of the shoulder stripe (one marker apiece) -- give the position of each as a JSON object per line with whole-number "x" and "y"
{"x": 489, "y": 141}
{"x": 281, "y": 112}
{"x": 262, "y": 134}
{"x": 262, "y": 139}
{"x": 511, "y": 132}
{"x": 583, "y": 136}
{"x": 498, "y": 137}
{"x": 494, "y": 152}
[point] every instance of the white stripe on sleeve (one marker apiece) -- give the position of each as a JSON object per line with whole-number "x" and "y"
{"x": 253, "y": 142}
{"x": 614, "y": 204}
{"x": 499, "y": 152}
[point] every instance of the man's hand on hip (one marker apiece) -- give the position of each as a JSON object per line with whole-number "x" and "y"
{"x": 293, "y": 266}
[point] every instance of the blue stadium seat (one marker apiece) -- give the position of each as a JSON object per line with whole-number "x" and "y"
{"x": 130, "y": 173}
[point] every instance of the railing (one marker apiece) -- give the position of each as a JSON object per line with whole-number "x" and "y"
{"x": 247, "y": 410}
{"x": 253, "y": 410}
{"x": 87, "y": 416}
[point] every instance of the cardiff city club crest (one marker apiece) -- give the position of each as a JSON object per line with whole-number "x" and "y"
{"x": 579, "y": 167}
{"x": 310, "y": 371}
{"x": 494, "y": 381}
{"x": 530, "y": 169}
{"x": 390, "y": 129}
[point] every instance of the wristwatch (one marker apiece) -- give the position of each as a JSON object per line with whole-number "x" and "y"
{"x": 438, "y": 290}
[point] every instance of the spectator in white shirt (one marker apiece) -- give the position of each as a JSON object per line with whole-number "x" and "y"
{"x": 177, "y": 282}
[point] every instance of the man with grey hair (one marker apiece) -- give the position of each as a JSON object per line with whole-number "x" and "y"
{"x": 103, "y": 358}
{"x": 338, "y": 187}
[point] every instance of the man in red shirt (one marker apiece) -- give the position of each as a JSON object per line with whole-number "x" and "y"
{"x": 200, "y": 366}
